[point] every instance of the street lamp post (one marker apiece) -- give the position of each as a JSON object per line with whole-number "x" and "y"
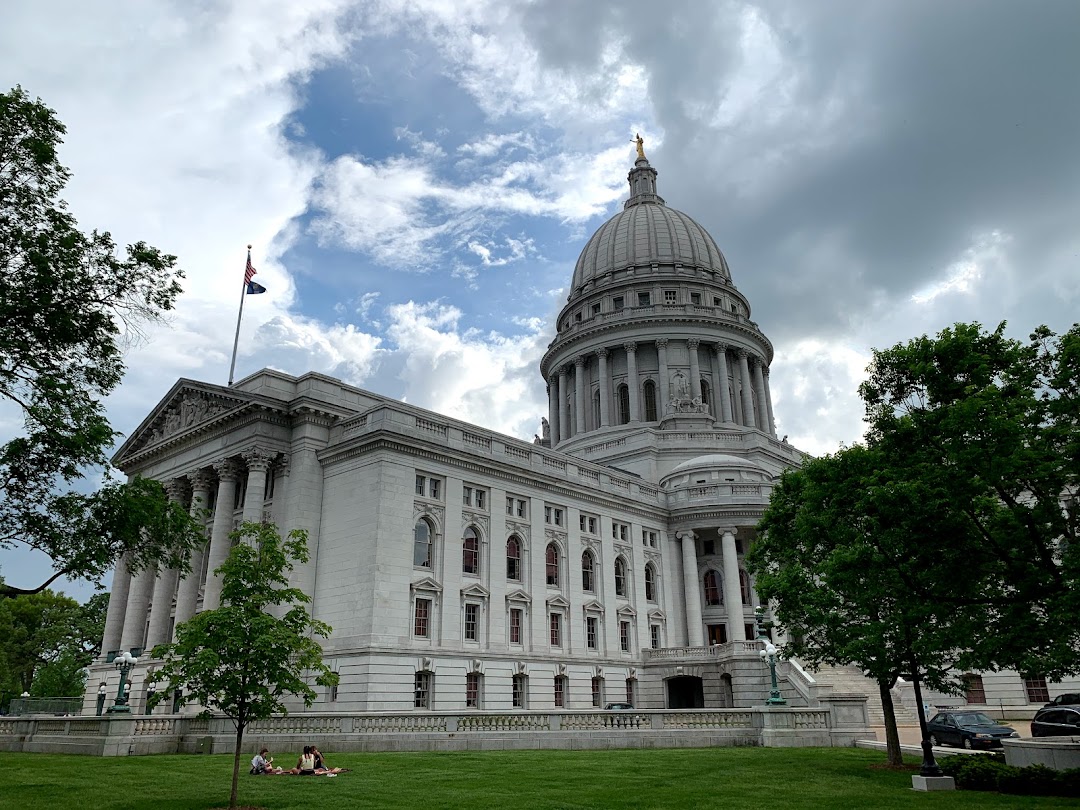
{"x": 101, "y": 698}
{"x": 124, "y": 662}
{"x": 768, "y": 656}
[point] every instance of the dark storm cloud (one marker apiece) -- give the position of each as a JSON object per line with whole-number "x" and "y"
{"x": 887, "y": 138}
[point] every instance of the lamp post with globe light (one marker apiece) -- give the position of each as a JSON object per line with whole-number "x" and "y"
{"x": 101, "y": 698}
{"x": 124, "y": 662}
{"x": 768, "y": 656}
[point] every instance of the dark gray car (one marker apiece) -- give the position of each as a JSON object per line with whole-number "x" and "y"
{"x": 967, "y": 729}
{"x": 1056, "y": 721}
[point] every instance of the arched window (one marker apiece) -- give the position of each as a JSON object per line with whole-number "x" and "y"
{"x": 513, "y": 558}
{"x": 650, "y": 582}
{"x": 596, "y": 408}
{"x": 588, "y": 567}
{"x": 744, "y": 586}
{"x": 620, "y": 576}
{"x": 551, "y": 559}
{"x": 423, "y": 533}
{"x": 649, "y": 391}
{"x": 712, "y": 589}
{"x": 470, "y": 551}
{"x": 623, "y": 394}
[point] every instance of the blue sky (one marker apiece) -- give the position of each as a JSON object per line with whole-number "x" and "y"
{"x": 417, "y": 177}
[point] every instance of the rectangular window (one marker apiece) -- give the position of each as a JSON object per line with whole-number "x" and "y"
{"x": 433, "y": 488}
{"x": 751, "y": 631}
{"x": 480, "y": 499}
{"x": 1036, "y": 690}
{"x": 595, "y": 309}
{"x": 620, "y": 531}
{"x": 268, "y": 486}
{"x": 519, "y": 691}
{"x": 556, "y": 629}
{"x": 624, "y": 636}
{"x": 422, "y": 691}
{"x": 974, "y": 691}
{"x": 577, "y": 317}
{"x": 591, "y": 625}
{"x": 509, "y": 506}
{"x": 560, "y": 691}
{"x": 466, "y": 496}
{"x": 654, "y": 636}
{"x": 597, "y": 692}
{"x": 716, "y": 302}
{"x": 618, "y": 302}
{"x": 708, "y": 546}
{"x": 695, "y": 298}
{"x": 428, "y": 486}
{"x": 422, "y": 618}
{"x": 553, "y": 515}
{"x": 644, "y": 299}
{"x": 631, "y": 691}
{"x": 717, "y": 634}
{"x": 333, "y": 693}
{"x": 669, "y": 296}
{"x": 516, "y": 616}
{"x": 472, "y": 613}
{"x": 421, "y": 484}
{"x": 587, "y": 523}
{"x": 522, "y": 510}
{"x": 648, "y": 538}
{"x": 472, "y": 690}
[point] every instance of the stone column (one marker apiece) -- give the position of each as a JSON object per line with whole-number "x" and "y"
{"x": 664, "y": 391}
{"x": 768, "y": 400}
{"x": 162, "y": 603}
{"x": 605, "y": 388}
{"x": 762, "y": 401}
{"x": 579, "y": 394}
{"x": 258, "y": 462}
{"x": 747, "y": 400}
{"x": 724, "y": 394}
{"x": 732, "y": 589}
{"x": 632, "y": 383}
{"x": 564, "y": 415}
{"x": 695, "y": 635}
{"x": 553, "y": 409}
{"x": 142, "y": 586}
{"x": 118, "y": 599}
{"x": 304, "y": 494}
{"x": 228, "y": 473}
{"x": 695, "y": 370}
{"x": 187, "y": 594}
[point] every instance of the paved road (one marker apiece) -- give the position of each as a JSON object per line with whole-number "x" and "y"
{"x": 909, "y": 735}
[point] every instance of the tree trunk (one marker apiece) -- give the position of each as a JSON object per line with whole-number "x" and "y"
{"x": 236, "y": 763}
{"x": 893, "y": 754}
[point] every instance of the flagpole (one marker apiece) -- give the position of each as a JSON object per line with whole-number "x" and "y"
{"x": 239, "y": 316}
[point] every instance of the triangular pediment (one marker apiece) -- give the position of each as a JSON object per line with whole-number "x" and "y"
{"x": 592, "y": 606}
{"x": 188, "y": 408}
{"x": 518, "y": 595}
{"x": 656, "y": 613}
{"x": 475, "y": 591}
{"x": 426, "y": 584}
{"x": 627, "y": 611}
{"x": 558, "y": 602}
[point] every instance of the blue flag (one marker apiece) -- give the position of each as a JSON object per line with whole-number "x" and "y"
{"x": 254, "y": 288}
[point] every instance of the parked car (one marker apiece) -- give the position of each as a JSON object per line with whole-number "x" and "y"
{"x": 1056, "y": 721}
{"x": 1068, "y": 699}
{"x": 967, "y": 729}
{"x": 619, "y": 707}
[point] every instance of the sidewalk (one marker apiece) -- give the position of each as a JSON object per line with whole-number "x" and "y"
{"x": 909, "y": 735}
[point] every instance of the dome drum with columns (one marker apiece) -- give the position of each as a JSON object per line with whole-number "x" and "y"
{"x": 462, "y": 569}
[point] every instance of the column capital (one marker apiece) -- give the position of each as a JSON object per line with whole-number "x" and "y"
{"x": 227, "y": 469}
{"x": 743, "y": 353}
{"x": 201, "y": 479}
{"x": 579, "y": 361}
{"x": 693, "y": 343}
{"x": 563, "y": 370}
{"x": 685, "y": 534}
{"x": 732, "y": 530}
{"x": 175, "y": 488}
{"x": 661, "y": 343}
{"x": 602, "y": 353}
{"x": 258, "y": 459}
{"x": 720, "y": 348}
{"x": 764, "y": 368}
{"x": 630, "y": 346}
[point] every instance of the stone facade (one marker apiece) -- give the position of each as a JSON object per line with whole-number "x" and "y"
{"x": 462, "y": 569}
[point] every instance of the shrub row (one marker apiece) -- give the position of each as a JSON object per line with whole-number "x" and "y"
{"x": 989, "y": 772}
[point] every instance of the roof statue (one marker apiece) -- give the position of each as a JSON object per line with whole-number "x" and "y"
{"x": 640, "y": 146}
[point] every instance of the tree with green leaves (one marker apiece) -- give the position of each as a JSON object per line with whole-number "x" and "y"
{"x": 70, "y": 303}
{"x": 239, "y": 660}
{"x": 46, "y": 642}
{"x": 949, "y": 539}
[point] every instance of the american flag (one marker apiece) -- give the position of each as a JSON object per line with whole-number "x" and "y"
{"x": 249, "y": 271}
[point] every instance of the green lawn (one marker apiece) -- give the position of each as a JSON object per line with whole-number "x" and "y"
{"x": 743, "y": 778}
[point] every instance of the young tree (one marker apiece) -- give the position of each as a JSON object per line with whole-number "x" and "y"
{"x": 238, "y": 659}
{"x": 833, "y": 556}
{"x": 69, "y": 304}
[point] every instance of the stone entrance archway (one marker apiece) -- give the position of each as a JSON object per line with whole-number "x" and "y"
{"x": 685, "y": 692}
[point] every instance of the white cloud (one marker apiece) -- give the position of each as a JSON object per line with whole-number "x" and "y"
{"x": 963, "y": 275}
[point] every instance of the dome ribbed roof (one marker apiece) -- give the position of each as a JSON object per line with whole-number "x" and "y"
{"x": 647, "y": 232}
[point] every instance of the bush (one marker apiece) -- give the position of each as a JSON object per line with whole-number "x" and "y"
{"x": 975, "y": 772}
{"x": 989, "y": 772}
{"x": 1034, "y": 780}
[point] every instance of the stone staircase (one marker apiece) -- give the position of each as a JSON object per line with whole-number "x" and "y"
{"x": 850, "y": 680}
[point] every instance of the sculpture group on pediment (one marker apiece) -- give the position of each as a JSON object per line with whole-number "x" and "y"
{"x": 682, "y": 401}
{"x": 192, "y": 409}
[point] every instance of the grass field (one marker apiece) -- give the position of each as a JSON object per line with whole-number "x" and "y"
{"x": 767, "y": 778}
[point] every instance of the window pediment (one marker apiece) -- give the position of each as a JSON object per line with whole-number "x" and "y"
{"x": 518, "y": 596}
{"x": 476, "y": 591}
{"x": 558, "y": 602}
{"x": 657, "y": 614}
{"x": 592, "y": 606}
{"x": 426, "y": 585}
{"x": 627, "y": 611}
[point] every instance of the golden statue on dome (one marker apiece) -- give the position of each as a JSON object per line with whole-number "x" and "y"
{"x": 640, "y": 146}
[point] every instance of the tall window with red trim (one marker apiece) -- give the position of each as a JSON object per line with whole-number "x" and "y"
{"x": 712, "y": 589}
{"x": 624, "y": 636}
{"x": 472, "y": 690}
{"x": 520, "y": 691}
{"x": 597, "y": 692}
{"x": 1037, "y": 691}
{"x": 551, "y": 559}
{"x": 422, "y": 618}
{"x": 650, "y": 582}
{"x": 560, "y": 691}
{"x": 588, "y": 567}
{"x": 422, "y": 691}
{"x": 515, "y": 625}
{"x": 620, "y": 576}
{"x": 556, "y": 629}
{"x": 470, "y": 551}
{"x": 513, "y": 558}
{"x": 472, "y": 622}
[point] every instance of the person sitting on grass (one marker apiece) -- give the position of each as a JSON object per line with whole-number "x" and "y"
{"x": 321, "y": 768}
{"x": 262, "y": 764}
{"x": 305, "y": 766}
